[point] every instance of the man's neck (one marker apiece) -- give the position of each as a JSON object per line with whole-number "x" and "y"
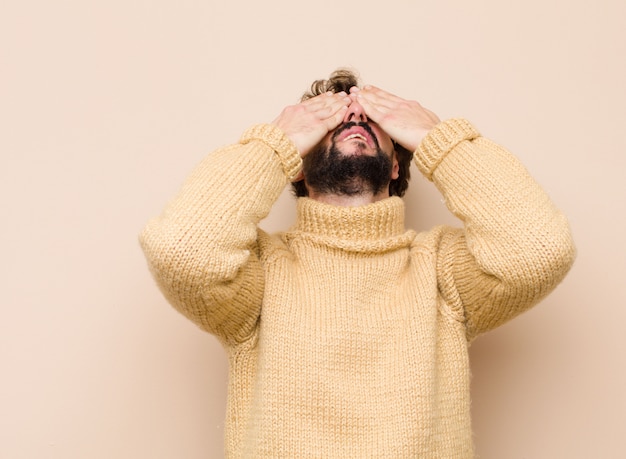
{"x": 348, "y": 201}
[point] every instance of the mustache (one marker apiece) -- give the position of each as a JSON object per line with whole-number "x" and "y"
{"x": 350, "y": 124}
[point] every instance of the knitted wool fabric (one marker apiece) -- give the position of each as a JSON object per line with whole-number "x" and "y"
{"x": 347, "y": 336}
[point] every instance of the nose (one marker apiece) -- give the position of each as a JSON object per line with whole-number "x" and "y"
{"x": 355, "y": 113}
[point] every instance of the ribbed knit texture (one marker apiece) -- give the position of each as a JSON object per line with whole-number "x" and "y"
{"x": 347, "y": 336}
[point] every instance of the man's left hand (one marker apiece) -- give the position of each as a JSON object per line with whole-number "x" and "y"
{"x": 405, "y": 121}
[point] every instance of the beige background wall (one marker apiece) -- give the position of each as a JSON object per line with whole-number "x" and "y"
{"x": 105, "y": 106}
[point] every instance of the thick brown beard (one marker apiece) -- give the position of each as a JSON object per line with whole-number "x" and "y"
{"x": 328, "y": 171}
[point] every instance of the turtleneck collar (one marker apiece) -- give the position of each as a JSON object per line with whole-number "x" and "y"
{"x": 380, "y": 220}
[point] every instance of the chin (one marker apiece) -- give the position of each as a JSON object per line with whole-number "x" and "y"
{"x": 357, "y": 149}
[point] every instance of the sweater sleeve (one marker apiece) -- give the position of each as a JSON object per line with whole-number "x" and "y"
{"x": 202, "y": 250}
{"x": 515, "y": 246}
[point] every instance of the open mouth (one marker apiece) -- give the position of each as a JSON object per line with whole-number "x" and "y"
{"x": 356, "y": 136}
{"x": 357, "y": 131}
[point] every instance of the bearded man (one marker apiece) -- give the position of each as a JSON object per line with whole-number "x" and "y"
{"x": 347, "y": 335}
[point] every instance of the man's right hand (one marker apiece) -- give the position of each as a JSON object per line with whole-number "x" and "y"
{"x": 308, "y": 122}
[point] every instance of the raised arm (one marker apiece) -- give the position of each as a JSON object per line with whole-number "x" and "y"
{"x": 202, "y": 250}
{"x": 515, "y": 246}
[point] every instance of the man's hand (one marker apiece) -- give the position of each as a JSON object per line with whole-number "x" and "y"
{"x": 405, "y": 121}
{"x": 307, "y": 123}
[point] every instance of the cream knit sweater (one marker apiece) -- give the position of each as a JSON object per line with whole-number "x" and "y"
{"x": 348, "y": 335}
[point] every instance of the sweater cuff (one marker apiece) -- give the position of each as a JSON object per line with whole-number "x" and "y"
{"x": 274, "y": 138}
{"x": 440, "y": 141}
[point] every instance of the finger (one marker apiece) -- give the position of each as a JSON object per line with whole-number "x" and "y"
{"x": 336, "y": 118}
{"x": 372, "y": 111}
{"x": 379, "y": 98}
{"x": 381, "y": 93}
{"x": 316, "y": 99}
{"x": 331, "y": 108}
{"x": 323, "y": 99}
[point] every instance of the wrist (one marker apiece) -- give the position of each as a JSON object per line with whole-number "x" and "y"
{"x": 439, "y": 141}
{"x": 272, "y": 136}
